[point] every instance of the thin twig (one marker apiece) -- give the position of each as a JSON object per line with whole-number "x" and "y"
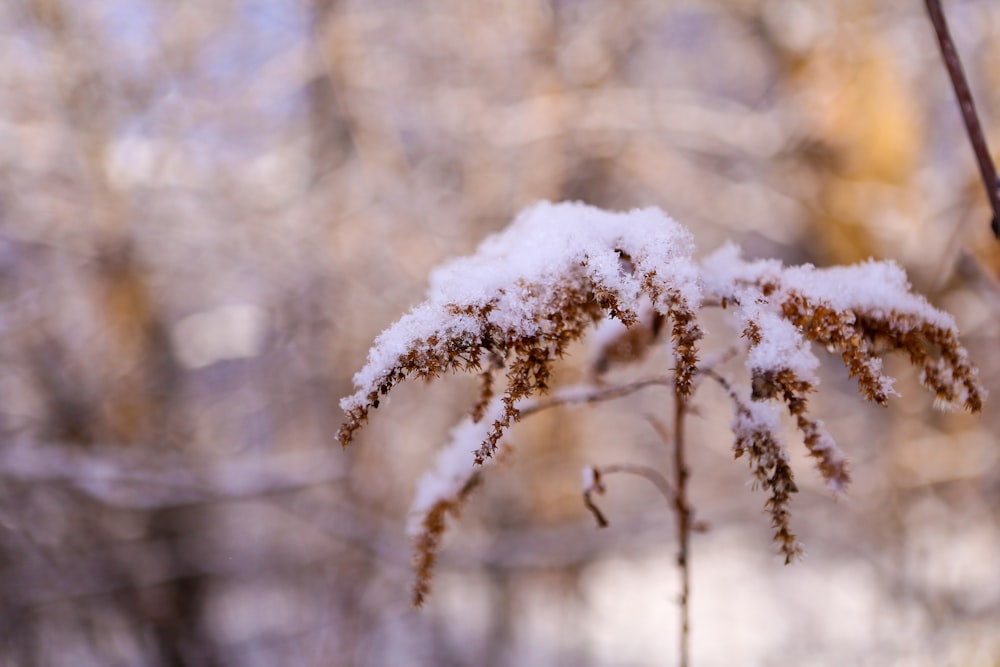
{"x": 674, "y": 495}
{"x": 949, "y": 53}
{"x": 597, "y": 485}
{"x": 588, "y": 502}
{"x": 650, "y": 474}
{"x": 721, "y": 380}
{"x": 594, "y": 396}
{"x": 605, "y": 393}
{"x": 683, "y": 511}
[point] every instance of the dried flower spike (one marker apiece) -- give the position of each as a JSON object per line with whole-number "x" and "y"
{"x": 516, "y": 304}
{"x": 526, "y": 294}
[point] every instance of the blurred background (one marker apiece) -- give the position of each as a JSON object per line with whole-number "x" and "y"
{"x": 209, "y": 209}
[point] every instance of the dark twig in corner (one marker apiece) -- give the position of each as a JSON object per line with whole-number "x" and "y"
{"x": 987, "y": 169}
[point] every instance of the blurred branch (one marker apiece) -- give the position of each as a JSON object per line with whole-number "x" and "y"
{"x": 575, "y": 395}
{"x": 597, "y": 485}
{"x": 590, "y": 394}
{"x": 141, "y": 481}
{"x": 950, "y": 55}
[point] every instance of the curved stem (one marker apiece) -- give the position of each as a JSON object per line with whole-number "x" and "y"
{"x": 651, "y": 474}
{"x": 596, "y": 485}
{"x": 592, "y": 395}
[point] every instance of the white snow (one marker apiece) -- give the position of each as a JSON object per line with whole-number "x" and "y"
{"x": 759, "y": 417}
{"x": 782, "y": 346}
{"x": 519, "y": 269}
{"x": 547, "y": 240}
{"x": 454, "y": 465}
{"x": 725, "y": 272}
{"x": 876, "y": 288}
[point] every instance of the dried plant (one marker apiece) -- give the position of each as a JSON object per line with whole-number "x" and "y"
{"x": 512, "y": 309}
{"x": 526, "y": 295}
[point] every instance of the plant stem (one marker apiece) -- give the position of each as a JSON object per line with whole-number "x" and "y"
{"x": 651, "y": 474}
{"x": 949, "y": 53}
{"x": 596, "y": 395}
{"x": 683, "y": 510}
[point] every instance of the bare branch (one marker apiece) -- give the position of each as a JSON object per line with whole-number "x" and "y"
{"x": 958, "y": 81}
{"x": 573, "y": 396}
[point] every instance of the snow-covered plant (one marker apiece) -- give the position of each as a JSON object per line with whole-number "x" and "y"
{"x": 509, "y": 311}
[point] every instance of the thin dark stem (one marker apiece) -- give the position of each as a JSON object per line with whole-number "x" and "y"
{"x": 597, "y": 485}
{"x": 650, "y": 474}
{"x": 683, "y": 510}
{"x": 950, "y": 55}
{"x": 676, "y": 496}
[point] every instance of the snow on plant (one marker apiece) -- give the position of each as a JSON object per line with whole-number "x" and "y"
{"x": 529, "y": 292}
{"x": 509, "y": 311}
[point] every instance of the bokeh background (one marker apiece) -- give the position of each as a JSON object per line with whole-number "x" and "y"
{"x": 209, "y": 209}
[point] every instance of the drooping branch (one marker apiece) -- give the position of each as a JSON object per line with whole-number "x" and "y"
{"x": 755, "y": 425}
